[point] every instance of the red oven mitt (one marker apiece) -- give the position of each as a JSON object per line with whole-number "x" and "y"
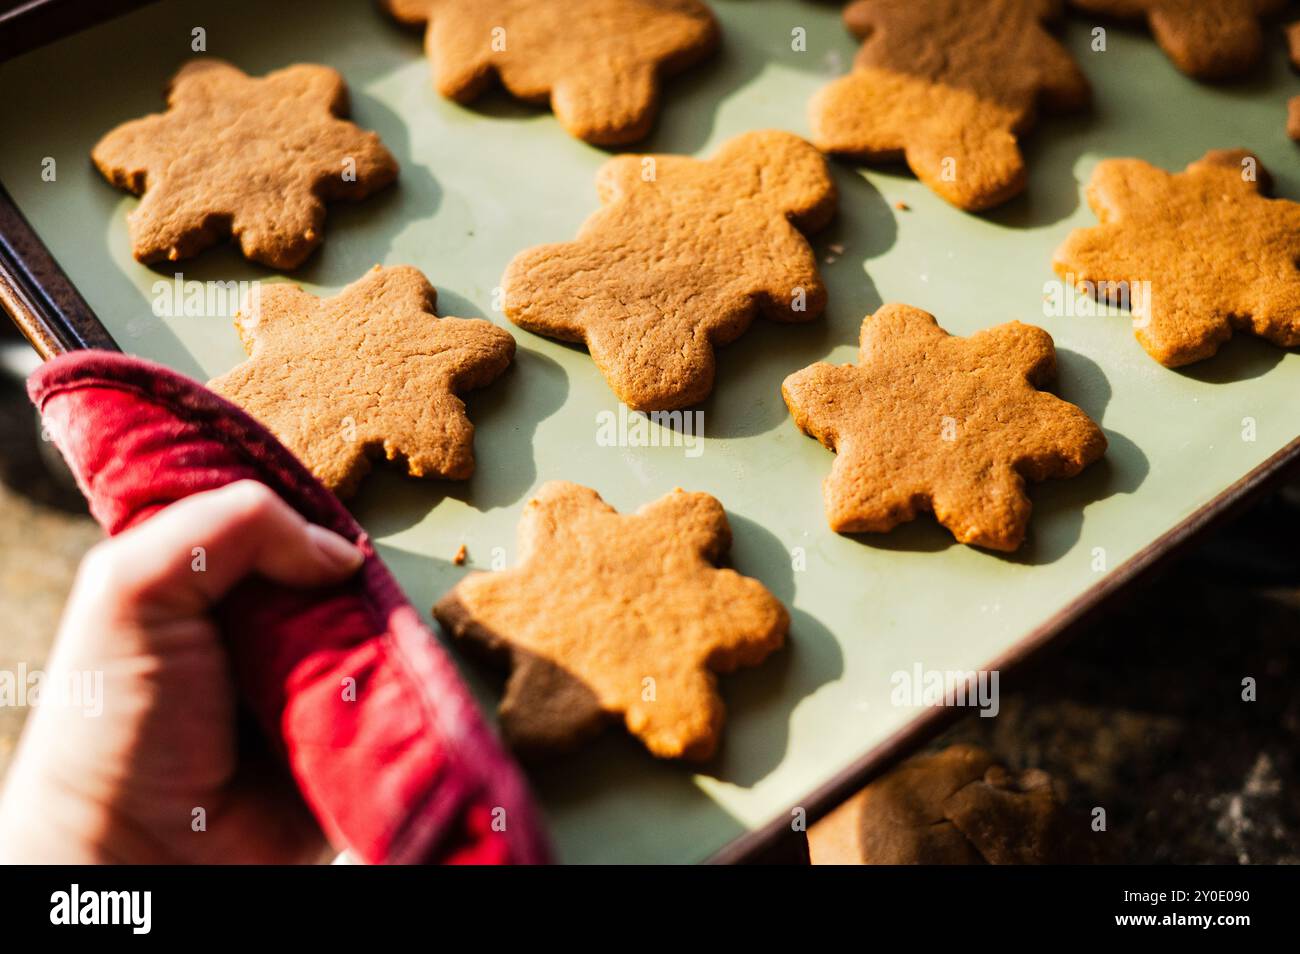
{"x": 407, "y": 772}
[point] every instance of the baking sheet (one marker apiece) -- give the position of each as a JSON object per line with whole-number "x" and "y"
{"x": 480, "y": 183}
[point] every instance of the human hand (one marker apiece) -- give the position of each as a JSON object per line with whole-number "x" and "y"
{"x": 124, "y": 785}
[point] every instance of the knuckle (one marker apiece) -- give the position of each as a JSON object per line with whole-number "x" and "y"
{"x": 249, "y": 501}
{"x": 102, "y": 570}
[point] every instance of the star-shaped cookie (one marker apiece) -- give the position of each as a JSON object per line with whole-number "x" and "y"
{"x": 947, "y": 85}
{"x": 929, "y": 421}
{"x": 372, "y": 371}
{"x": 599, "y": 63}
{"x": 1207, "y": 39}
{"x": 680, "y": 258}
{"x": 612, "y": 615}
{"x": 235, "y": 155}
{"x": 1196, "y": 254}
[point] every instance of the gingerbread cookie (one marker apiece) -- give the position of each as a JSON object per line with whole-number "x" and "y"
{"x": 371, "y": 371}
{"x": 234, "y": 155}
{"x": 612, "y": 615}
{"x": 1207, "y": 39}
{"x": 928, "y": 421}
{"x": 600, "y": 63}
{"x": 947, "y": 85}
{"x": 679, "y": 260}
{"x": 1197, "y": 254}
{"x": 955, "y": 807}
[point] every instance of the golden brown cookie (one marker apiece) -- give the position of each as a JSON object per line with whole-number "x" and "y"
{"x": 928, "y": 421}
{"x": 235, "y": 155}
{"x": 948, "y": 85}
{"x": 954, "y": 807}
{"x": 600, "y": 63}
{"x": 371, "y": 371}
{"x": 682, "y": 255}
{"x": 1215, "y": 254}
{"x": 617, "y": 615}
{"x": 1207, "y": 39}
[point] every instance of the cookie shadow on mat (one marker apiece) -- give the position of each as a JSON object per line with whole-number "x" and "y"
{"x": 760, "y": 701}
{"x": 746, "y": 398}
{"x": 1058, "y": 523}
{"x": 1051, "y": 151}
{"x": 1241, "y": 358}
{"x": 690, "y": 101}
{"x": 363, "y": 232}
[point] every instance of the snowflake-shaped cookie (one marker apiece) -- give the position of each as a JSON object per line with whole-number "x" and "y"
{"x": 255, "y": 158}
{"x": 612, "y": 615}
{"x": 370, "y": 372}
{"x": 599, "y": 63}
{"x": 1196, "y": 254}
{"x": 929, "y": 421}
{"x": 681, "y": 257}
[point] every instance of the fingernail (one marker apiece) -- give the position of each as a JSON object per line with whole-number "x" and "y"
{"x": 337, "y": 551}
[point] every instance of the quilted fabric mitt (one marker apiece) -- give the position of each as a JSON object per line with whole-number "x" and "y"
{"x": 406, "y": 773}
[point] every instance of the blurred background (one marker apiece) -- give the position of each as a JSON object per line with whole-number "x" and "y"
{"x": 1141, "y": 713}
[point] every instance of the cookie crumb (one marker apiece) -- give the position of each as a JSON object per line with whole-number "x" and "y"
{"x": 461, "y": 556}
{"x": 902, "y": 207}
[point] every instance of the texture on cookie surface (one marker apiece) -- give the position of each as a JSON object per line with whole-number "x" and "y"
{"x": 599, "y": 63}
{"x": 947, "y": 86}
{"x": 926, "y": 421}
{"x": 610, "y": 615}
{"x": 371, "y": 371}
{"x": 680, "y": 258}
{"x": 1207, "y": 39}
{"x": 253, "y": 158}
{"x": 1209, "y": 252}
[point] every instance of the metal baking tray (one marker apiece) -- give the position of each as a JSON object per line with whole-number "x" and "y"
{"x": 480, "y": 183}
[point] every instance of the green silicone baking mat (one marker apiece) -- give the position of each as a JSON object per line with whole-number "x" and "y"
{"x": 480, "y": 183}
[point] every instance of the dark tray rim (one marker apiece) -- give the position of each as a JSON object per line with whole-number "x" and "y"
{"x": 55, "y": 318}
